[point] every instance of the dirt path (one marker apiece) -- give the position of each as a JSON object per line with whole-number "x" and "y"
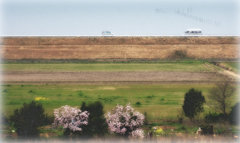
{"x": 230, "y": 74}
{"x": 83, "y": 77}
{"x": 226, "y": 71}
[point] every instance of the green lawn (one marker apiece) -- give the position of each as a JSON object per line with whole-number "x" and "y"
{"x": 161, "y": 101}
{"x": 197, "y": 66}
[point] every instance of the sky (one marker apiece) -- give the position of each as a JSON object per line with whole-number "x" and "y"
{"x": 121, "y": 17}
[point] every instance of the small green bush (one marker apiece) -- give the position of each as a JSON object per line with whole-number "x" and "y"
{"x": 213, "y": 117}
{"x": 150, "y": 96}
{"x": 97, "y": 125}
{"x": 80, "y": 94}
{"x": 207, "y": 129}
{"x": 30, "y": 91}
{"x": 180, "y": 119}
{"x": 138, "y": 103}
{"x": 179, "y": 54}
{"x": 28, "y": 119}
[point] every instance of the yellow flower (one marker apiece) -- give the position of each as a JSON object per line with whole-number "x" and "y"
{"x": 159, "y": 131}
{"x": 40, "y": 98}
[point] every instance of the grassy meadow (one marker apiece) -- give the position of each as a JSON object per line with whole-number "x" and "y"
{"x": 187, "y": 66}
{"x": 162, "y": 101}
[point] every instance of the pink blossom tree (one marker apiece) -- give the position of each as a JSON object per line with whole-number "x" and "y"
{"x": 125, "y": 121}
{"x": 70, "y": 118}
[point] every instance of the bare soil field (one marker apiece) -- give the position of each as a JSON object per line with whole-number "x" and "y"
{"x": 93, "y": 48}
{"x": 112, "y": 77}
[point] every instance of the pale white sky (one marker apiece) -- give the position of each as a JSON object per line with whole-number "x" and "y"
{"x": 121, "y": 17}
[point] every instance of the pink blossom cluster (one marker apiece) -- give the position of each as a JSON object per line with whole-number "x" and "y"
{"x": 138, "y": 133}
{"x": 125, "y": 121}
{"x": 70, "y": 117}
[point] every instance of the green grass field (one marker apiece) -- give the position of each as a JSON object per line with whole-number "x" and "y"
{"x": 232, "y": 65}
{"x": 161, "y": 101}
{"x": 197, "y": 66}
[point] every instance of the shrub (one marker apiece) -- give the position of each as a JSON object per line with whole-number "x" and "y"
{"x": 80, "y": 94}
{"x": 125, "y": 121}
{"x": 159, "y": 131}
{"x": 193, "y": 103}
{"x": 234, "y": 114}
{"x": 28, "y": 118}
{"x": 213, "y": 117}
{"x": 30, "y": 91}
{"x": 180, "y": 119}
{"x": 207, "y": 129}
{"x": 179, "y": 54}
{"x": 138, "y": 103}
{"x": 97, "y": 125}
{"x": 70, "y": 118}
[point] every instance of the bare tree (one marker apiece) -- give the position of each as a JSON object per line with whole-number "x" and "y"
{"x": 221, "y": 93}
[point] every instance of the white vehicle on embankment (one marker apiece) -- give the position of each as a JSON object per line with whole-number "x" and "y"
{"x": 193, "y": 31}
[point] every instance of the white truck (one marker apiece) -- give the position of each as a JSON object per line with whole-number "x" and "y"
{"x": 193, "y": 31}
{"x": 107, "y": 33}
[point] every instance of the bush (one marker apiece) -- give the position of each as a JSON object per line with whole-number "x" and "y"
{"x": 138, "y": 103}
{"x": 179, "y": 54}
{"x": 30, "y": 91}
{"x": 80, "y": 94}
{"x": 214, "y": 117}
{"x": 207, "y": 129}
{"x": 193, "y": 103}
{"x": 97, "y": 125}
{"x": 234, "y": 114}
{"x": 28, "y": 118}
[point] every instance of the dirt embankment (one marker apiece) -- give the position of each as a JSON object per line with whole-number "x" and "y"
{"x": 92, "y": 48}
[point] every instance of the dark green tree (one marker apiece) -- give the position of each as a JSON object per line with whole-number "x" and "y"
{"x": 28, "y": 118}
{"x": 97, "y": 125}
{"x": 193, "y": 103}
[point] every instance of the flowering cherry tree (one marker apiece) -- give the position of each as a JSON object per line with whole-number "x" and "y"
{"x": 70, "y": 118}
{"x": 125, "y": 121}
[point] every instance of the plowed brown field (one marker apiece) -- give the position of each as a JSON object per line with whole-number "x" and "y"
{"x": 109, "y": 77}
{"x": 117, "y": 47}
